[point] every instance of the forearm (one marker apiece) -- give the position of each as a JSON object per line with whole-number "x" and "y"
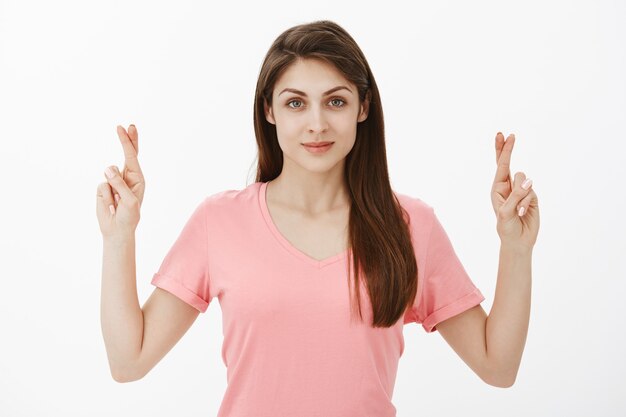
{"x": 507, "y": 323}
{"x": 120, "y": 314}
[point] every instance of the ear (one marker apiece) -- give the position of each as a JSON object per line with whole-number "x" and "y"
{"x": 365, "y": 107}
{"x": 269, "y": 115}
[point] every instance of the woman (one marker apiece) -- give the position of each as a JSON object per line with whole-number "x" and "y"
{"x": 319, "y": 263}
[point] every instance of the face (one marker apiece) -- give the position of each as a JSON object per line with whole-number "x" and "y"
{"x": 313, "y": 102}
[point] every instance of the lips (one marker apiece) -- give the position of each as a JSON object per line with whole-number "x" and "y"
{"x": 317, "y": 144}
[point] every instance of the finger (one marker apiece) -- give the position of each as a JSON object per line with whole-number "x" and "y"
{"x": 499, "y": 145}
{"x": 509, "y": 208}
{"x": 504, "y": 160}
{"x": 119, "y": 185}
{"x": 130, "y": 153}
{"x": 104, "y": 199}
{"x": 134, "y": 137}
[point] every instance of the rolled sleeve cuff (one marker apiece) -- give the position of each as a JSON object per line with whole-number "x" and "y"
{"x": 174, "y": 287}
{"x": 464, "y": 303}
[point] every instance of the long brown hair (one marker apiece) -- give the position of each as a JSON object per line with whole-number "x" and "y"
{"x": 379, "y": 237}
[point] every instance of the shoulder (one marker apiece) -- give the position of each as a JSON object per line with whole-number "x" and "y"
{"x": 420, "y": 212}
{"x": 233, "y": 197}
{"x": 230, "y": 203}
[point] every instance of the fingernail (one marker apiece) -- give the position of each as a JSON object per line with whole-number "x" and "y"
{"x": 109, "y": 172}
{"x": 112, "y": 209}
{"x": 117, "y": 198}
{"x": 526, "y": 184}
{"x": 521, "y": 211}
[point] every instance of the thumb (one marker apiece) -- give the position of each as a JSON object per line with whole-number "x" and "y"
{"x": 118, "y": 184}
{"x": 104, "y": 199}
{"x": 509, "y": 208}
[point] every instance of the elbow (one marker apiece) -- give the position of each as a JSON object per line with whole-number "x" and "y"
{"x": 500, "y": 380}
{"x": 122, "y": 378}
{"x": 119, "y": 379}
{"x": 125, "y": 375}
{"x": 502, "y": 383}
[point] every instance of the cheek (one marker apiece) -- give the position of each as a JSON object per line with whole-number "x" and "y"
{"x": 345, "y": 131}
{"x": 348, "y": 124}
{"x": 287, "y": 131}
{"x": 286, "y": 123}
{"x": 294, "y": 127}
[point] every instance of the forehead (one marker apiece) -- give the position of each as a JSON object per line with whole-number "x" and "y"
{"x": 312, "y": 76}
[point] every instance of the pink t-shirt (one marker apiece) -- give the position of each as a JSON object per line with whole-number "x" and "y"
{"x": 289, "y": 346}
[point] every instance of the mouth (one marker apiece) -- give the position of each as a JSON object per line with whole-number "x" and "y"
{"x": 317, "y": 144}
{"x": 317, "y": 147}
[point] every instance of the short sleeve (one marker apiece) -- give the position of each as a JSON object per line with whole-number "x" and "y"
{"x": 184, "y": 271}
{"x": 447, "y": 289}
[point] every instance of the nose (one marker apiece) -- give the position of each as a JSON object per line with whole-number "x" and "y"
{"x": 317, "y": 121}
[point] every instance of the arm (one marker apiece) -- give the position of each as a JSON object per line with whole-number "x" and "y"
{"x": 137, "y": 339}
{"x": 166, "y": 319}
{"x": 121, "y": 318}
{"x": 493, "y": 345}
{"x": 507, "y": 324}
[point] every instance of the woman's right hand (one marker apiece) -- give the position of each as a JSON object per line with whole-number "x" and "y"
{"x": 124, "y": 191}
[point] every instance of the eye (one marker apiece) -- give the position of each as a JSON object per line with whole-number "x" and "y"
{"x": 341, "y": 101}
{"x": 294, "y": 101}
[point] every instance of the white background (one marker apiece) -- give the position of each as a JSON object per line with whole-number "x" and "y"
{"x": 451, "y": 75}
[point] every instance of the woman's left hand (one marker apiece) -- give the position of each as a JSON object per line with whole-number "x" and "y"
{"x": 515, "y": 230}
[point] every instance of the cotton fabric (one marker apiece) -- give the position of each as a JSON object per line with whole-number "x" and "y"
{"x": 290, "y": 345}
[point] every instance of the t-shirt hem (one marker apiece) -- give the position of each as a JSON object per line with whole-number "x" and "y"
{"x": 464, "y": 303}
{"x": 176, "y": 288}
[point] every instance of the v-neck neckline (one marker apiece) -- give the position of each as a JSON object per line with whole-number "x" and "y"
{"x": 283, "y": 240}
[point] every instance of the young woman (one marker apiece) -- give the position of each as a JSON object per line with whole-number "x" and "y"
{"x": 319, "y": 263}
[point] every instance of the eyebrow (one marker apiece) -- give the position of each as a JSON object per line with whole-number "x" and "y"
{"x": 302, "y": 93}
